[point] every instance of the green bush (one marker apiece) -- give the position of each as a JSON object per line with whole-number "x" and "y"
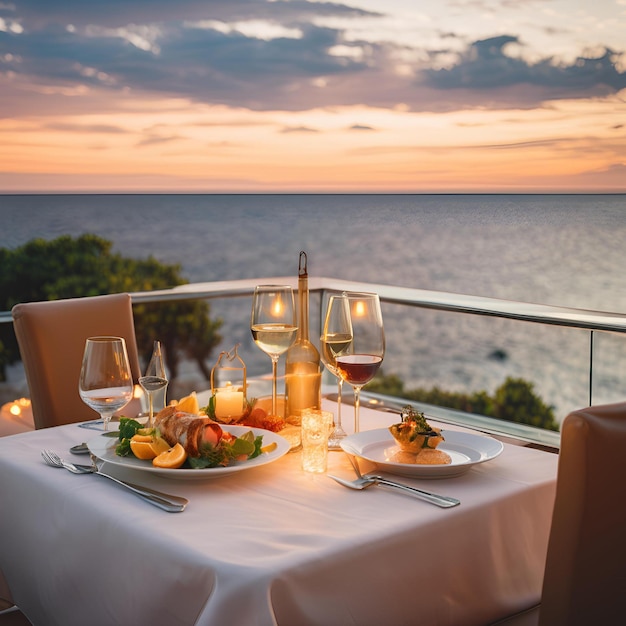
{"x": 515, "y": 400}
{"x": 69, "y": 267}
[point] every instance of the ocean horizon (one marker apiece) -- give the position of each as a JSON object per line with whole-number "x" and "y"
{"x": 559, "y": 249}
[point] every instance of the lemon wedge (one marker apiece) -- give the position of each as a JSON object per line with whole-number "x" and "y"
{"x": 142, "y": 449}
{"x": 269, "y": 448}
{"x": 147, "y": 447}
{"x": 142, "y": 438}
{"x": 173, "y": 458}
{"x": 189, "y": 404}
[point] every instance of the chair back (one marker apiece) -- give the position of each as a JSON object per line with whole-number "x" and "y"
{"x": 585, "y": 574}
{"x": 51, "y": 336}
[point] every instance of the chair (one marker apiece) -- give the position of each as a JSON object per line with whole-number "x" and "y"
{"x": 12, "y": 616}
{"x": 51, "y": 337}
{"x": 585, "y": 572}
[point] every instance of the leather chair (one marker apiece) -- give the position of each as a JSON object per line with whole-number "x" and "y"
{"x": 51, "y": 336}
{"x": 585, "y": 573}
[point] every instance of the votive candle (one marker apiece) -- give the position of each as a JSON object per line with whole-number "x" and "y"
{"x": 228, "y": 402}
{"x": 316, "y": 427}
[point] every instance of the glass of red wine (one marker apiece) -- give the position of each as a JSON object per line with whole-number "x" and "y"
{"x": 360, "y": 362}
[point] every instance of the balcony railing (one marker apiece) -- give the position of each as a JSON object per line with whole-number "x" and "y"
{"x": 591, "y": 322}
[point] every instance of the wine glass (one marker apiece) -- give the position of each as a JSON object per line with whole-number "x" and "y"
{"x": 154, "y": 379}
{"x": 106, "y": 383}
{"x": 335, "y": 341}
{"x": 273, "y": 324}
{"x": 358, "y": 365}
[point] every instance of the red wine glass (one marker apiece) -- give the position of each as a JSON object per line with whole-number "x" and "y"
{"x": 365, "y": 354}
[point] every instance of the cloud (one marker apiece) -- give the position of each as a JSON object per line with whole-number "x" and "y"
{"x": 485, "y": 66}
{"x": 113, "y": 13}
{"x": 90, "y": 129}
{"x": 155, "y": 140}
{"x": 299, "y": 129}
{"x": 179, "y": 50}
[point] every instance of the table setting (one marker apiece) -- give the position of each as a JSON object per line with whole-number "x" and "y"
{"x": 291, "y": 523}
{"x": 264, "y": 545}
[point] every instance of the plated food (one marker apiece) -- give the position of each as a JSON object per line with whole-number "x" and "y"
{"x": 103, "y": 446}
{"x": 184, "y": 439}
{"x": 465, "y": 449}
{"x": 185, "y": 436}
{"x": 417, "y": 440}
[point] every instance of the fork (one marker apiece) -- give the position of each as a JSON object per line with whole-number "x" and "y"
{"x": 167, "y": 502}
{"x": 362, "y": 482}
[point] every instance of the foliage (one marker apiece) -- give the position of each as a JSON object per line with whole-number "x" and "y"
{"x": 69, "y": 267}
{"x": 515, "y": 400}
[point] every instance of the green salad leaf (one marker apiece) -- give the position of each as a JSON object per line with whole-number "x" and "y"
{"x": 123, "y": 448}
{"x": 213, "y": 456}
{"x": 128, "y": 429}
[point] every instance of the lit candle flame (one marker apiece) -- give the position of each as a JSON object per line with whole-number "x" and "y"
{"x": 277, "y": 307}
{"x": 359, "y": 308}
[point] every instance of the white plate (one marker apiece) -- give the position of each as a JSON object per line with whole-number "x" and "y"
{"x": 465, "y": 450}
{"x": 104, "y": 448}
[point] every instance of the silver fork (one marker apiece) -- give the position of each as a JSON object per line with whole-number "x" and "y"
{"x": 362, "y": 482}
{"x": 165, "y": 501}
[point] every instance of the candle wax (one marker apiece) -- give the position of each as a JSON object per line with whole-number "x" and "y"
{"x": 228, "y": 403}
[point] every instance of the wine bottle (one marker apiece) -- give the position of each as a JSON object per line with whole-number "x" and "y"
{"x": 303, "y": 373}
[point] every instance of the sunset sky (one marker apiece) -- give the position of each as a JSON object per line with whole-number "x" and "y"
{"x": 308, "y": 96}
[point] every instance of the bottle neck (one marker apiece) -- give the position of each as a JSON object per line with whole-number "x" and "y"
{"x": 303, "y": 308}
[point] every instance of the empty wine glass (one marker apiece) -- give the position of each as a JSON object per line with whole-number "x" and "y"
{"x": 335, "y": 340}
{"x": 154, "y": 379}
{"x": 358, "y": 365}
{"x": 106, "y": 382}
{"x": 273, "y": 324}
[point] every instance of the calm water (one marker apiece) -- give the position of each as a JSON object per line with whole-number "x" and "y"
{"x": 564, "y": 250}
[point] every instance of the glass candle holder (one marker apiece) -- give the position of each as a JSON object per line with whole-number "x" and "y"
{"x": 316, "y": 427}
{"x": 230, "y": 398}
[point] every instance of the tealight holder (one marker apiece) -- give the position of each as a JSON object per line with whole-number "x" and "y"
{"x": 228, "y": 386}
{"x": 316, "y": 427}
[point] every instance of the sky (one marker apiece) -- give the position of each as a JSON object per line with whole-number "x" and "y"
{"x": 263, "y": 96}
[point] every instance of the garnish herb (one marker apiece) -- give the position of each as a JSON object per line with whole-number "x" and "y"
{"x": 417, "y": 422}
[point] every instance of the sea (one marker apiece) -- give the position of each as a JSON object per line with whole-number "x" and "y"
{"x": 564, "y": 250}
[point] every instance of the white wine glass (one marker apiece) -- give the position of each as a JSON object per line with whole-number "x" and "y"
{"x": 366, "y": 352}
{"x": 273, "y": 324}
{"x": 335, "y": 340}
{"x": 154, "y": 379}
{"x": 106, "y": 382}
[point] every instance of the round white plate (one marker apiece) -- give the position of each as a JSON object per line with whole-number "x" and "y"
{"x": 104, "y": 448}
{"x": 465, "y": 450}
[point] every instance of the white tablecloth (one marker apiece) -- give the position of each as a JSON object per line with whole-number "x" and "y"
{"x": 273, "y": 545}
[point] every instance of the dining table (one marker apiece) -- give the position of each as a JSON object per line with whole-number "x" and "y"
{"x": 271, "y": 544}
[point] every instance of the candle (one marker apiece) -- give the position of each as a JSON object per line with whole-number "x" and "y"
{"x": 228, "y": 402}
{"x": 316, "y": 427}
